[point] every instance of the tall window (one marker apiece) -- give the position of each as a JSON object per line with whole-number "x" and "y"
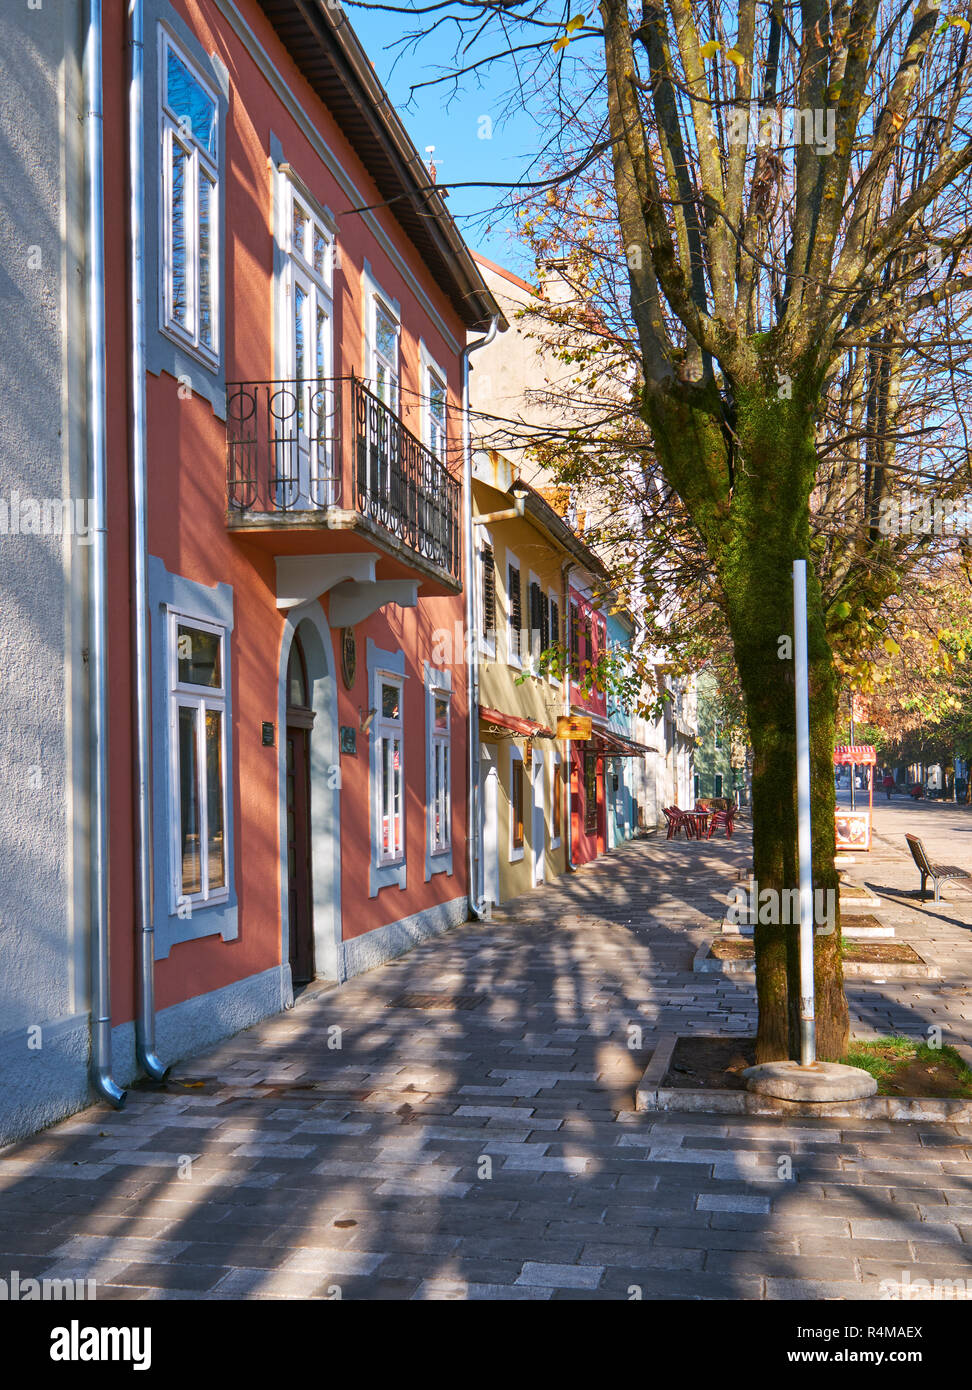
{"x": 383, "y": 368}
{"x": 197, "y": 729}
{"x": 514, "y": 594}
{"x": 554, "y": 611}
{"x": 556, "y": 800}
{"x": 190, "y": 203}
{"x": 488, "y": 575}
{"x": 388, "y": 732}
{"x": 590, "y": 793}
{"x": 516, "y": 803}
{"x": 574, "y": 641}
{"x": 435, "y": 413}
{"x": 440, "y": 796}
{"x": 306, "y": 468}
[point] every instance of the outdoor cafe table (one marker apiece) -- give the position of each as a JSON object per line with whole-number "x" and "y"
{"x": 700, "y": 823}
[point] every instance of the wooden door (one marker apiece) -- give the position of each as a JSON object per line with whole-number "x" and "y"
{"x": 299, "y": 855}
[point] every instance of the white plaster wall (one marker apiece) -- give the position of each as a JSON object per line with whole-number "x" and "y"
{"x": 41, "y": 576}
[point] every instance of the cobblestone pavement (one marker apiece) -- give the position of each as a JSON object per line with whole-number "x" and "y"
{"x": 460, "y": 1123}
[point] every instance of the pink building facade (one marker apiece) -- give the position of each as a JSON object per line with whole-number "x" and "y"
{"x": 305, "y": 304}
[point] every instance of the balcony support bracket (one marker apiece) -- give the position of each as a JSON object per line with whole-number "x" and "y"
{"x": 352, "y": 603}
{"x": 304, "y": 577}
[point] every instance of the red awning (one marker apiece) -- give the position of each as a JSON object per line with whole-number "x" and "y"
{"x": 857, "y": 753}
{"x": 518, "y": 724}
{"x": 615, "y": 745}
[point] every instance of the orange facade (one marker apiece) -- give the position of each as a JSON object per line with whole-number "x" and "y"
{"x": 198, "y": 540}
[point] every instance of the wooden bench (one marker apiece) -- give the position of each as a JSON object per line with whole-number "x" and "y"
{"x": 938, "y": 873}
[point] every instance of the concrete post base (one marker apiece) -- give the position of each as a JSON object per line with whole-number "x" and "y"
{"x": 824, "y": 1081}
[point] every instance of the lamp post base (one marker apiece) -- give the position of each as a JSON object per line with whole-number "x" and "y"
{"x": 821, "y": 1082}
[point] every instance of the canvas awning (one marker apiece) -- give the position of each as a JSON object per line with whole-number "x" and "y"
{"x": 856, "y": 753}
{"x": 514, "y": 723}
{"x": 608, "y": 742}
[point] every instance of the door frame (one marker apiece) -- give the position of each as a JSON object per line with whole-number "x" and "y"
{"x": 325, "y": 792}
{"x": 538, "y": 771}
{"x": 489, "y": 782}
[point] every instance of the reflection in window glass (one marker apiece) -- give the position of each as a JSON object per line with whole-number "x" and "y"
{"x": 180, "y": 291}
{"x": 206, "y": 201}
{"x": 216, "y": 862}
{"x": 191, "y": 877}
{"x": 200, "y": 662}
{"x": 190, "y": 104}
{"x": 441, "y": 712}
{"x": 390, "y": 701}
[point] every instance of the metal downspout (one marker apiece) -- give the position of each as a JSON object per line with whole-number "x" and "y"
{"x": 473, "y": 810}
{"x": 101, "y": 1076}
{"x": 145, "y": 949}
{"x": 565, "y": 575}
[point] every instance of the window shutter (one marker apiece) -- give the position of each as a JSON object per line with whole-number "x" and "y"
{"x": 489, "y": 590}
{"x": 554, "y": 621}
{"x": 536, "y": 617}
{"x": 544, "y": 622}
{"x": 574, "y": 639}
{"x": 515, "y": 607}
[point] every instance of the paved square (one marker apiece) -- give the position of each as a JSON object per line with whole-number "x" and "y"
{"x": 460, "y": 1123}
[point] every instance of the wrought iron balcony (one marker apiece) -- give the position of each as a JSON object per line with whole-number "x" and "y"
{"x": 332, "y": 450}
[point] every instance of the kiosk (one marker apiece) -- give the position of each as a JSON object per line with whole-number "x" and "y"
{"x": 853, "y": 827}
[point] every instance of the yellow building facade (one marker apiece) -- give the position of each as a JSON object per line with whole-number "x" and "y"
{"x": 525, "y": 553}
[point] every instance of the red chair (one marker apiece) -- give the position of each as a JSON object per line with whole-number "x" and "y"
{"x": 726, "y": 818}
{"x": 677, "y": 820}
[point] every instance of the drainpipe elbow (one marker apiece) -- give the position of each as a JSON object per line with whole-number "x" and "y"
{"x": 151, "y": 1065}
{"x": 108, "y": 1088}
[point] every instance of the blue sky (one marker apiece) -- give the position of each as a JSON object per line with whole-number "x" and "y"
{"x": 476, "y": 134}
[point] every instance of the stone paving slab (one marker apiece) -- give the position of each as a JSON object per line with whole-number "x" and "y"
{"x": 493, "y": 1152}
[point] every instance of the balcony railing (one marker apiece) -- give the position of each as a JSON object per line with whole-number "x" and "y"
{"x": 299, "y": 447}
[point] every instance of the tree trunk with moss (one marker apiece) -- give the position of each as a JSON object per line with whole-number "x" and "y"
{"x": 753, "y": 535}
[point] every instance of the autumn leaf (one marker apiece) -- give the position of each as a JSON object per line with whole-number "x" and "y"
{"x": 735, "y": 56}
{"x": 710, "y": 49}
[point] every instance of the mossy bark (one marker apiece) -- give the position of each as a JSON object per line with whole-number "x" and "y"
{"x": 753, "y": 533}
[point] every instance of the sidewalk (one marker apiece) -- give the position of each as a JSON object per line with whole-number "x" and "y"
{"x": 459, "y": 1123}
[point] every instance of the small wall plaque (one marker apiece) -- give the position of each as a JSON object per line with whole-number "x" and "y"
{"x": 349, "y": 656}
{"x": 267, "y": 733}
{"x": 349, "y": 738}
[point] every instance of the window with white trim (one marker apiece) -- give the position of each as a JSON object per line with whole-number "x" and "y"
{"x": 199, "y": 784}
{"x": 189, "y": 118}
{"x": 384, "y": 335}
{"x": 434, "y": 396}
{"x": 439, "y": 734}
{"x": 307, "y": 466}
{"x": 389, "y": 798}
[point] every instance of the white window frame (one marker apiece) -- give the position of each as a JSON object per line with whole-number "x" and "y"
{"x": 201, "y": 164}
{"x": 554, "y": 597}
{"x": 317, "y": 469}
{"x": 375, "y": 296}
{"x": 438, "y": 744}
{"x": 183, "y": 695}
{"x": 430, "y": 369}
{"x": 556, "y": 790}
{"x": 516, "y": 852}
{"x": 381, "y": 729}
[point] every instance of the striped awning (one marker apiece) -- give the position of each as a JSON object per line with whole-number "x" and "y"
{"x": 856, "y": 753}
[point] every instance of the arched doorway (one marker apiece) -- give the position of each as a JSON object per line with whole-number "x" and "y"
{"x": 310, "y": 901}
{"x": 300, "y": 888}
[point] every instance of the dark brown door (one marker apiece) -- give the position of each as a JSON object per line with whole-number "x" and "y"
{"x": 299, "y": 855}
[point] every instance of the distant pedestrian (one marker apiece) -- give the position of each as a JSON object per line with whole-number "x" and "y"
{"x": 888, "y": 784}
